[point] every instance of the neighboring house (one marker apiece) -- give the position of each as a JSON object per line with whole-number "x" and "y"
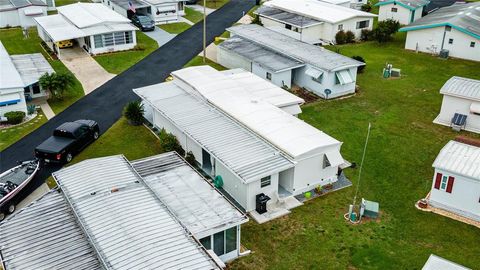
{"x": 454, "y": 30}
{"x": 254, "y": 146}
{"x": 343, "y": 3}
{"x": 456, "y": 182}
{"x": 105, "y": 215}
{"x": 15, "y": 13}
{"x": 91, "y": 26}
{"x": 285, "y": 61}
{"x": 403, "y": 11}
{"x": 313, "y": 21}
{"x": 436, "y": 4}
{"x": 161, "y": 11}
{"x": 461, "y": 104}
{"x": 19, "y": 79}
{"x": 438, "y": 263}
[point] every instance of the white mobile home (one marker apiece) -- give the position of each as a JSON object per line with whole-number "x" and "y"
{"x": 256, "y": 147}
{"x": 461, "y": 104}
{"x": 161, "y": 11}
{"x": 15, "y": 13}
{"x": 403, "y": 11}
{"x": 93, "y": 27}
{"x": 313, "y": 21}
{"x": 455, "y": 30}
{"x": 286, "y": 61}
{"x": 456, "y": 182}
{"x": 438, "y": 263}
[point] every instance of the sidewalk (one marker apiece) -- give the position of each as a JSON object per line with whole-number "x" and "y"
{"x": 200, "y": 9}
{"x": 160, "y": 36}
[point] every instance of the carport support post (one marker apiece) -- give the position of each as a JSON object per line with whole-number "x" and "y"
{"x": 204, "y": 30}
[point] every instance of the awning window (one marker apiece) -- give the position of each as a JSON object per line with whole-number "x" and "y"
{"x": 475, "y": 108}
{"x": 334, "y": 158}
{"x": 314, "y": 73}
{"x": 32, "y": 11}
{"x": 9, "y": 99}
{"x": 343, "y": 77}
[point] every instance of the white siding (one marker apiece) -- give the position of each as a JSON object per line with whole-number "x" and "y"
{"x": 430, "y": 41}
{"x": 452, "y": 105}
{"x": 280, "y": 79}
{"x": 231, "y": 60}
{"x": 234, "y": 186}
{"x": 9, "y": 18}
{"x": 20, "y": 106}
{"x": 403, "y": 15}
{"x": 255, "y": 188}
{"x": 464, "y": 199}
{"x": 309, "y": 173}
{"x": 112, "y": 48}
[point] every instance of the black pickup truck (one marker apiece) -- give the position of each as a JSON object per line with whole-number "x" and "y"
{"x": 68, "y": 139}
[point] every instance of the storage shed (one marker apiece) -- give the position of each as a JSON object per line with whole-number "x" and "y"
{"x": 438, "y": 263}
{"x": 403, "y": 11}
{"x": 461, "y": 104}
{"x": 15, "y": 13}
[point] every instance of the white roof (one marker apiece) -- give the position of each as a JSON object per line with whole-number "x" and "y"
{"x": 336, "y": 2}
{"x": 462, "y": 87}
{"x": 290, "y": 134}
{"x": 31, "y": 67}
{"x": 127, "y": 224}
{"x": 459, "y": 158}
{"x": 194, "y": 201}
{"x": 437, "y": 263}
{"x": 318, "y": 10}
{"x": 84, "y": 15}
{"x": 9, "y": 76}
{"x": 58, "y": 28}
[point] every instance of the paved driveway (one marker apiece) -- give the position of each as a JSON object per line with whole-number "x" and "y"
{"x": 160, "y": 36}
{"x": 90, "y": 74}
{"x": 105, "y": 104}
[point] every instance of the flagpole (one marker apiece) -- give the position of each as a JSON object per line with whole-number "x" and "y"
{"x": 204, "y": 31}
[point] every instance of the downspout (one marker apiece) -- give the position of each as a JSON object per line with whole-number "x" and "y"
{"x": 443, "y": 39}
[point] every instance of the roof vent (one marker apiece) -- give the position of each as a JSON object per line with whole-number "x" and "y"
{"x": 114, "y": 189}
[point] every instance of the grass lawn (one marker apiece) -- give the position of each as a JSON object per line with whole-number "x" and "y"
{"x": 213, "y": 3}
{"x": 8, "y": 136}
{"x": 193, "y": 15}
{"x": 225, "y": 34}
{"x": 198, "y": 61}
{"x": 13, "y": 41}
{"x": 397, "y": 172}
{"x": 174, "y": 28}
{"x": 118, "y": 62}
{"x": 68, "y": 2}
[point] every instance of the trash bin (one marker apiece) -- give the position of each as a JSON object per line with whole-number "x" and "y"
{"x": 262, "y": 200}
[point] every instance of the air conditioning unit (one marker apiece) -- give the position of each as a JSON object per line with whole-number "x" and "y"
{"x": 444, "y": 54}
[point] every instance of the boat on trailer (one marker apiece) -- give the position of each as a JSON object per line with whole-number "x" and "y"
{"x": 12, "y": 182}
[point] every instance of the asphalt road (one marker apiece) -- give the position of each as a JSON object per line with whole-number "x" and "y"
{"x": 105, "y": 104}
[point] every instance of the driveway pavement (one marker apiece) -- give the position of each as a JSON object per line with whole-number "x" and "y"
{"x": 105, "y": 104}
{"x": 200, "y": 9}
{"x": 90, "y": 74}
{"x": 160, "y": 36}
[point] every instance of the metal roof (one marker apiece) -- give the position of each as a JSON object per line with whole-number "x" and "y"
{"x": 58, "y": 28}
{"x": 16, "y": 4}
{"x": 127, "y": 224}
{"x": 314, "y": 55}
{"x": 463, "y": 17}
{"x": 9, "y": 76}
{"x": 459, "y": 158}
{"x": 287, "y": 17}
{"x": 462, "y": 87}
{"x": 89, "y": 14}
{"x": 438, "y": 263}
{"x": 46, "y": 235}
{"x": 263, "y": 56}
{"x": 410, "y": 4}
{"x": 436, "y": 4}
{"x": 318, "y": 10}
{"x": 31, "y": 67}
{"x": 124, "y": 3}
{"x": 239, "y": 149}
{"x": 194, "y": 201}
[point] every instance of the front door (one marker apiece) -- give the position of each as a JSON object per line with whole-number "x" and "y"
{"x": 206, "y": 162}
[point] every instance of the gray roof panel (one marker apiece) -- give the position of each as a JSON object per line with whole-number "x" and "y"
{"x": 31, "y": 67}
{"x": 124, "y": 3}
{"x": 286, "y": 17}
{"x": 462, "y": 87}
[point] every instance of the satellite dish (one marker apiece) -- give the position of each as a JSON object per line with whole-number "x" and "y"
{"x": 327, "y": 92}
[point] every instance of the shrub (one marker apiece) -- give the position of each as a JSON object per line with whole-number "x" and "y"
{"x": 31, "y": 109}
{"x": 360, "y": 59}
{"x": 170, "y": 143}
{"x": 366, "y": 7}
{"x": 391, "y": 25}
{"x": 366, "y": 35}
{"x": 15, "y": 117}
{"x": 256, "y": 20}
{"x": 385, "y": 30}
{"x": 349, "y": 37}
{"x": 190, "y": 158}
{"x": 133, "y": 111}
{"x": 56, "y": 83}
{"x": 341, "y": 37}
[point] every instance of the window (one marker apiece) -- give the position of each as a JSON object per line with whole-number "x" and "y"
{"x": 36, "y": 88}
{"x": 363, "y": 24}
{"x": 394, "y": 9}
{"x": 450, "y": 41}
{"x": 288, "y": 26}
{"x": 231, "y": 239}
{"x": 119, "y": 38}
{"x": 206, "y": 242}
{"x": 319, "y": 79}
{"x": 149, "y": 10}
{"x": 109, "y": 3}
{"x": 265, "y": 181}
{"x": 340, "y": 27}
{"x": 326, "y": 162}
{"x": 448, "y": 28}
{"x": 97, "y": 39}
{"x": 128, "y": 37}
{"x": 219, "y": 243}
{"x": 443, "y": 185}
{"x": 269, "y": 76}
{"x": 108, "y": 39}
{"x": 472, "y": 44}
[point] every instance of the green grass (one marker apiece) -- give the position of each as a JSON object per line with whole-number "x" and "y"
{"x": 215, "y": 4}
{"x": 397, "y": 172}
{"x": 13, "y": 41}
{"x": 198, "y": 61}
{"x": 175, "y": 28}
{"x": 193, "y": 15}
{"x": 118, "y": 62}
{"x": 225, "y": 34}
{"x": 9, "y": 136}
{"x": 68, "y": 2}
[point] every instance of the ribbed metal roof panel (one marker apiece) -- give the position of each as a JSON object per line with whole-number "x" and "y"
{"x": 462, "y": 87}
{"x": 459, "y": 158}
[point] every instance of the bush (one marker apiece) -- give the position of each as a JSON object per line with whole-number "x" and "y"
{"x": 256, "y": 20}
{"x": 385, "y": 30}
{"x": 391, "y": 25}
{"x": 366, "y": 35}
{"x": 133, "y": 111}
{"x": 341, "y": 37}
{"x": 31, "y": 109}
{"x": 170, "y": 143}
{"x": 360, "y": 59}
{"x": 56, "y": 83}
{"x": 349, "y": 37}
{"x": 366, "y": 7}
{"x": 15, "y": 117}
{"x": 190, "y": 158}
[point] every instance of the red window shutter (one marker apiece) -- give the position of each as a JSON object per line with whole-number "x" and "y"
{"x": 438, "y": 180}
{"x": 450, "y": 184}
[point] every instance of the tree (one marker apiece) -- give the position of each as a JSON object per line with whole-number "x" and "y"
{"x": 349, "y": 37}
{"x": 340, "y": 37}
{"x": 366, "y": 35}
{"x": 360, "y": 59}
{"x": 56, "y": 83}
{"x": 385, "y": 29}
{"x": 366, "y": 7}
{"x": 133, "y": 111}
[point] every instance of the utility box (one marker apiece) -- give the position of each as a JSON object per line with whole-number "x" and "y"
{"x": 371, "y": 208}
{"x": 261, "y": 203}
{"x": 444, "y": 54}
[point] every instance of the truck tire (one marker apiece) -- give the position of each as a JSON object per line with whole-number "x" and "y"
{"x": 2, "y": 216}
{"x": 95, "y": 135}
{"x": 68, "y": 158}
{"x": 11, "y": 208}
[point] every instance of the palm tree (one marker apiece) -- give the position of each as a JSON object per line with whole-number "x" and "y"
{"x": 133, "y": 111}
{"x": 56, "y": 83}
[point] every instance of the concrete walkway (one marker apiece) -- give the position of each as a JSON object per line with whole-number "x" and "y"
{"x": 182, "y": 19}
{"x": 47, "y": 110}
{"x": 160, "y": 36}
{"x": 200, "y": 9}
{"x": 90, "y": 74}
